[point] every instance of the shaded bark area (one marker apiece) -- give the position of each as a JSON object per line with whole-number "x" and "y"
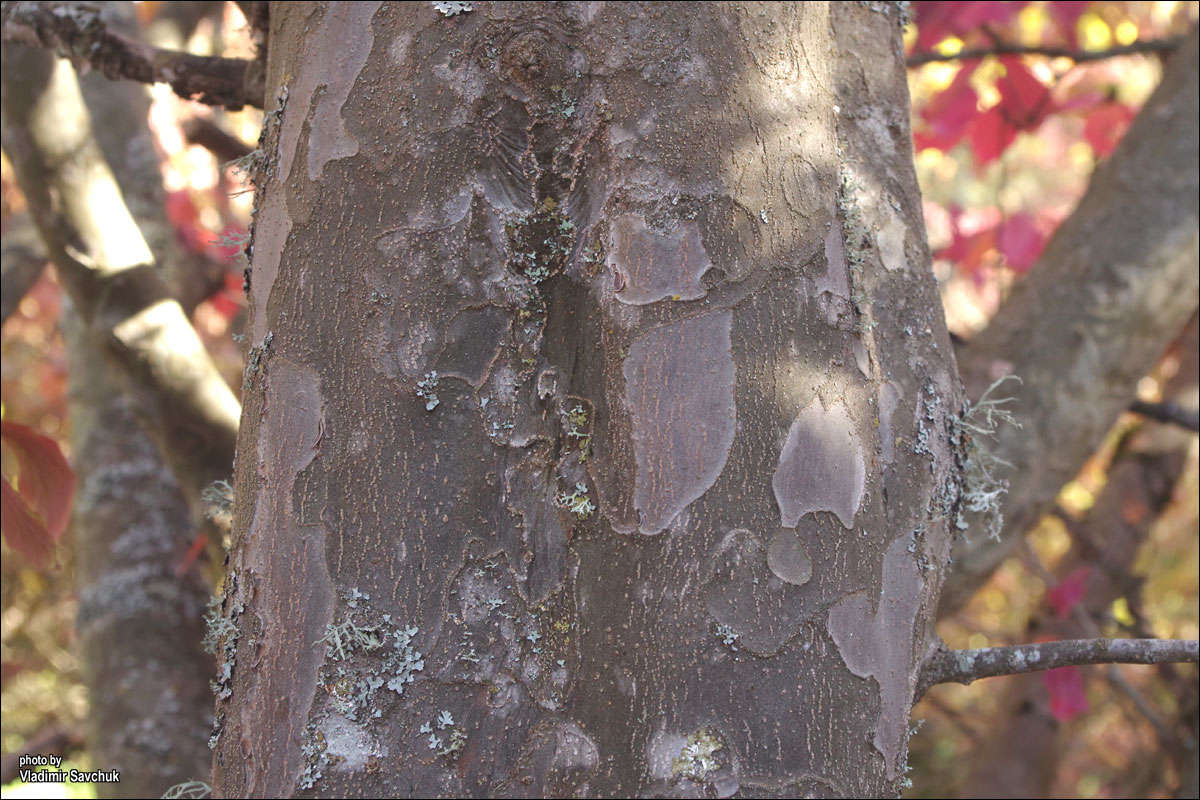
{"x": 1131, "y": 249}
{"x": 599, "y": 432}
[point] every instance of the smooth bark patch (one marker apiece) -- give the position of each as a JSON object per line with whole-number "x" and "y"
{"x": 889, "y": 398}
{"x": 346, "y": 29}
{"x": 656, "y": 266}
{"x": 743, "y": 593}
{"x": 877, "y": 642}
{"x": 788, "y": 558}
{"x": 679, "y": 389}
{"x": 821, "y": 466}
{"x": 285, "y": 555}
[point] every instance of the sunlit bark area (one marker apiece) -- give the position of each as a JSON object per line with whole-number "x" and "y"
{"x": 601, "y": 421}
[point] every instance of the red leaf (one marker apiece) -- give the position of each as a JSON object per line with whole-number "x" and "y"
{"x": 1021, "y": 241}
{"x": 185, "y": 218}
{"x": 973, "y": 237}
{"x": 1067, "y": 697}
{"x": 1069, "y": 591}
{"x": 949, "y": 113}
{"x": 227, "y": 301}
{"x": 36, "y": 514}
{"x": 991, "y": 134}
{"x": 1024, "y": 101}
{"x": 23, "y": 531}
{"x": 939, "y": 19}
{"x": 1105, "y": 126}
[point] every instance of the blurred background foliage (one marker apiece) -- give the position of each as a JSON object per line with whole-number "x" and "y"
{"x": 1004, "y": 148}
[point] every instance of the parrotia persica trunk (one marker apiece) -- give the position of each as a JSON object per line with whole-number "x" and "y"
{"x": 598, "y": 432}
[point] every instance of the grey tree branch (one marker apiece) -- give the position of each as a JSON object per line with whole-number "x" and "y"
{"x": 78, "y": 33}
{"x": 966, "y": 666}
{"x": 1116, "y": 284}
{"x": 1164, "y": 45}
{"x": 109, "y": 270}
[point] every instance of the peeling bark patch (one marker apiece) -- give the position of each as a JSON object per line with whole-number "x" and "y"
{"x": 345, "y": 30}
{"x": 560, "y": 757}
{"x": 745, "y": 594}
{"x": 473, "y": 342}
{"x": 788, "y": 558}
{"x": 889, "y": 398}
{"x": 679, "y": 390}
{"x": 654, "y": 266}
{"x": 283, "y": 554}
{"x": 878, "y": 643}
{"x": 821, "y": 466}
{"x": 833, "y": 288}
{"x": 539, "y": 556}
{"x": 891, "y": 241}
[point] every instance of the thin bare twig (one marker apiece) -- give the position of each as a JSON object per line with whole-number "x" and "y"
{"x": 1164, "y": 45}
{"x": 966, "y": 666}
{"x": 1188, "y": 418}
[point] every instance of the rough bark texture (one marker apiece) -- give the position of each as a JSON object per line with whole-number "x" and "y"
{"x": 600, "y": 408}
{"x": 1116, "y": 284}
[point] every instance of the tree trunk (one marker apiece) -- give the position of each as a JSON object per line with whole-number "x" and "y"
{"x": 600, "y": 418}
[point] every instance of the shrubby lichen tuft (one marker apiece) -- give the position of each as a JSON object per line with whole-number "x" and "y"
{"x": 981, "y": 489}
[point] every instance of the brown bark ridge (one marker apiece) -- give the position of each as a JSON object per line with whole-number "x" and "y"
{"x": 599, "y": 418}
{"x": 109, "y": 270}
{"x": 1116, "y": 284}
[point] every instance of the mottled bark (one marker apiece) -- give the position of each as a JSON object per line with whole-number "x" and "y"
{"x": 1116, "y": 284}
{"x": 600, "y": 420}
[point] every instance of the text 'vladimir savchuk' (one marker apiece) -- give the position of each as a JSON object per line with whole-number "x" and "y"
{"x": 56, "y": 775}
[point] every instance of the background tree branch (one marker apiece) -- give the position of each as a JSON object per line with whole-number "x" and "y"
{"x": 79, "y": 33}
{"x": 1131, "y": 249}
{"x": 1026, "y": 745}
{"x": 1165, "y": 45}
{"x": 966, "y": 666}
{"x": 109, "y": 271}
{"x": 1169, "y": 412}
